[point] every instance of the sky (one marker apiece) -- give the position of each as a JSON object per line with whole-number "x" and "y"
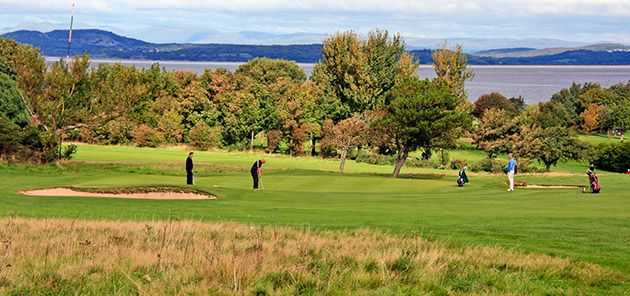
{"x": 309, "y": 21}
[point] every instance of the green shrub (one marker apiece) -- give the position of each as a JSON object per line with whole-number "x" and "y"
{"x": 69, "y": 151}
{"x": 444, "y": 158}
{"x": 377, "y": 159}
{"x": 421, "y": 163}
{"x": 401, "y": 265}
{"x": 528, "y": 166}
{"x": 613, "y": 157}
{"x": 488, "y": 165}
{"x": 371, "y": 266}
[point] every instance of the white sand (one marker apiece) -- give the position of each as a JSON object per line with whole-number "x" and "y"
{"x": 551, "y": 187}
{"x": 150, "y": 195}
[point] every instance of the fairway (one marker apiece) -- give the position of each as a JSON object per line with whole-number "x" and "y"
{"x": 307, "y": 192}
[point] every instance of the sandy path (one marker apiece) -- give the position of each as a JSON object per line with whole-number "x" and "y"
{"x": 151, "y": 195}
{"x": 552, "y": 187}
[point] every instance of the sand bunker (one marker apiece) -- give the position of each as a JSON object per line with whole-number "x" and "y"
{"x": 128, "y": 194}
{"x": 552, "y": 186}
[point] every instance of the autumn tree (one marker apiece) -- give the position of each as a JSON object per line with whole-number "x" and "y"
{"x": 591, "y": 117}
{"x": 422, "y": 113}
{"x": 497, "y": 101}
{"x": 571, "y": 100}
{"x": 268, "y": 71}
{"x": 296, "y": 111}
{"x": 451, "y": 67}
{"x": 345, "y": 135}
{"x": 203, "y": 137}
{"x": 495, "y": 132}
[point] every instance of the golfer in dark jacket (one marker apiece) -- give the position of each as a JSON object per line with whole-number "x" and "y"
{"x": 256, "y": 171}
{"x": 189, "y": 169}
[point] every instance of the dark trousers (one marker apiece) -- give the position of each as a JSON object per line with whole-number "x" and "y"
{"x": 189, "y": 178}
{"x": 255, "y": 178}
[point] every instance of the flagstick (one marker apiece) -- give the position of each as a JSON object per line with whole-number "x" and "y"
{"x": 70, "y": 31}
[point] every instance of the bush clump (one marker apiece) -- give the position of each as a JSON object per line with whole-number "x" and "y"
{"x": 488, "y": 165}
{"x": 373, "y": 158}
{"x": 613, "y": 157}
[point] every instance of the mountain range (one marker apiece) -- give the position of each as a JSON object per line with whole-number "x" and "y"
{"x": 101, "y": 44}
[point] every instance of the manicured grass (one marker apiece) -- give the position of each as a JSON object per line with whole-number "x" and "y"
{"x": 597, "y": 139}
{"x": 308, "y": 192}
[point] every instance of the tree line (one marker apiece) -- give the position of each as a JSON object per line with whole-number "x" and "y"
{"x": 363, "y": 93}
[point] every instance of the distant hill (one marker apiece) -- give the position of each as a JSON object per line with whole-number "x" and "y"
{"x": 501, "y": 51}
{"x": 104, "y": 44}
{"x": 531, "y": 52}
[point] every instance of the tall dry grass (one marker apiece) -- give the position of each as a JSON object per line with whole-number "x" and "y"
{"x": 66, "y": 257}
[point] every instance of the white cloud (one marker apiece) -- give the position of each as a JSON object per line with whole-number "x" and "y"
{"x": 579, "y": 7}
{"x": 182, "y": 20}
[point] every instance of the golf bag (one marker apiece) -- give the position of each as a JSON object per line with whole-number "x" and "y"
{"x": 594, "y": 182}
{"x": 462, "y": 178}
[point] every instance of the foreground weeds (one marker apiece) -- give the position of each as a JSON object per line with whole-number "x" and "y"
{"x": 66, "y": 257}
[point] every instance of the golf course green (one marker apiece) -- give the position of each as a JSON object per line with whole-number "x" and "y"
{"x": 308, "y": 192}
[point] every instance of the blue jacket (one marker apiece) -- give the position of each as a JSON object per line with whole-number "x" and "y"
{"x": 511, "y": 167}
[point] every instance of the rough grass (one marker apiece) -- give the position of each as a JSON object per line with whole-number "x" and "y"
{"x": 69, "y": 257}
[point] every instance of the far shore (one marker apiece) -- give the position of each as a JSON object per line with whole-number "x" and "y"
{"x": 219, "y": 63}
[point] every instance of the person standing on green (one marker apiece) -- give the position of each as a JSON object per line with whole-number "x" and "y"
{"x": 189, "y": 169}
{"x": 256, "y": 172}
{"x": 511, "y": 171}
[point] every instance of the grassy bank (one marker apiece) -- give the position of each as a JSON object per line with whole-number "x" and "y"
{"x": 69, "y": 257}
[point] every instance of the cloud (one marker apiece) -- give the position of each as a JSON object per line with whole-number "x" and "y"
{"x": 581, "y": 7}
{"x": 225, "y": 20}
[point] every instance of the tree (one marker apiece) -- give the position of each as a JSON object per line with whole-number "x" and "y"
{"x": 422, "y": 112}
{"x": 267, "y": 71}
{"x": 497, "y": 101}
{"x": 451, "y": 67}
{"x": 29, "y": 67}
{"x": 204, "y": 137}
{"x": 569, "y": 99}
{"x": 11, "y": 104}
{"x": 345, "y": 135}
{"x": 614, "y": 157}
{"x": 495, "y": 133}
{"x": 296, "y": 111}
{"x": 591, "y": 117}
{"x": 549, "y": 145}
{"x": 615, "y": 117}
{"x": 64, "y": 100}
{"x": 145, "y": 136}
{"x": 170, "y": 126}
{"x": 239, "y": 115}
{"x": 551, "y": 114}
{"x": 361, "y": 73}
